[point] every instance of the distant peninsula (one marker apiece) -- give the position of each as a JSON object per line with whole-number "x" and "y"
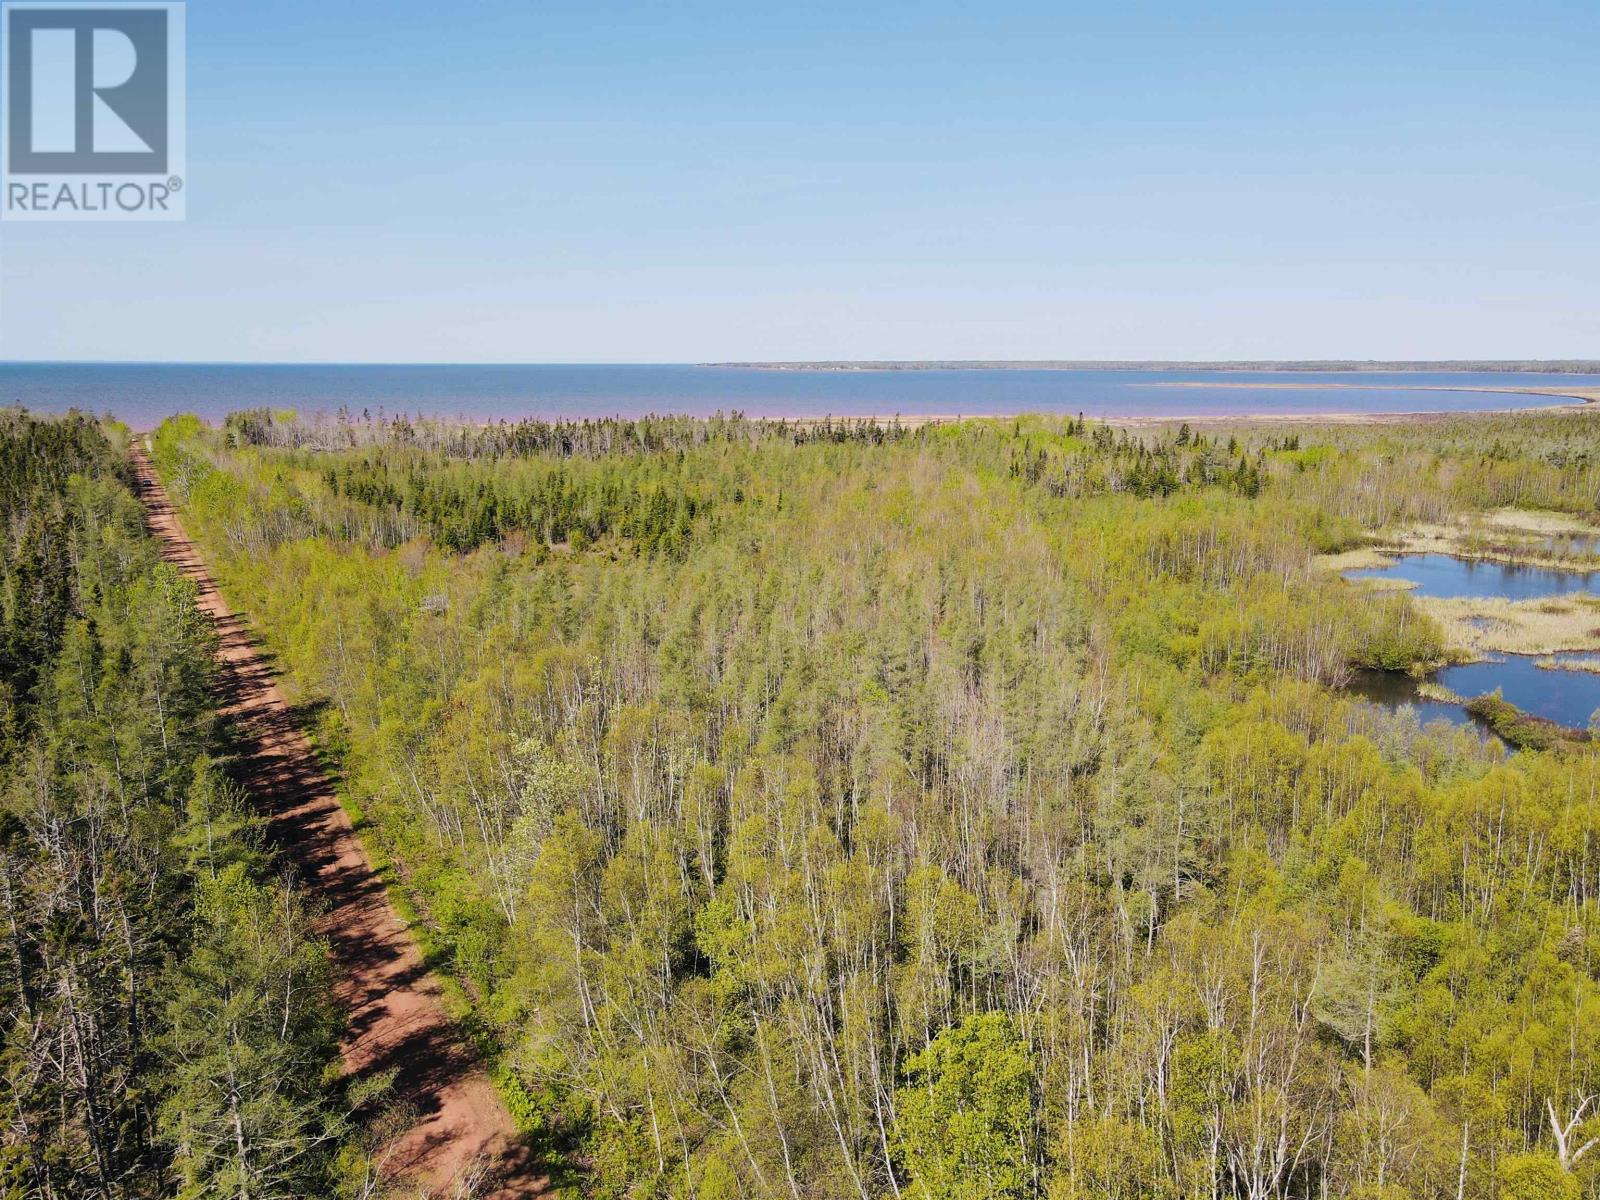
{"x": 1580, "y": 366}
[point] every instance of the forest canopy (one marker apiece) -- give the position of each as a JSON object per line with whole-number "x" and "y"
{"x": 849, "y": 810}
{"x": 168, "y": 1027}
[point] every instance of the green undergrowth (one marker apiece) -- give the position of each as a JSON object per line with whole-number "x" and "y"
{"x": 1522, "y": 730}
{"x": 836, "y": 810}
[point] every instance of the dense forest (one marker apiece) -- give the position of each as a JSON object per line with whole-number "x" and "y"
{"x": 845, "y": 810}
{"x": 167, "y": 1020}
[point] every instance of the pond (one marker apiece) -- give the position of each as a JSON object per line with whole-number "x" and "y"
{"x": 1394, "y": 689}
{"x": 1571, "y": 544}
{"x": 1567, "y": 697}
{"x": 1446, "y": 577}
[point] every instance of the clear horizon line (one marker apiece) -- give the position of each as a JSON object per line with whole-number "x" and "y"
{"x": 1221, "y": 363}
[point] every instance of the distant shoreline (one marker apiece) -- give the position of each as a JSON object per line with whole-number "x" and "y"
{"x": 1580, "y": 404}
{"x": 1146, "y": 420}
{"x": 1587, "y": 395}
{"x": 1586, "y": 366}
{"x": 146, "y": 395}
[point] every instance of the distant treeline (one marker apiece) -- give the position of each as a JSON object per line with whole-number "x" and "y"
{"x": 581, "y": 481}
{"x": 589, "y": 438}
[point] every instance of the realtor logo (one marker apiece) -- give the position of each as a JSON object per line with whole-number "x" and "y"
{"x": 93, "y": 126}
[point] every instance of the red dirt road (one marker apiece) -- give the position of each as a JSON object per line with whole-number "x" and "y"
{"x": 396, "y": 1014}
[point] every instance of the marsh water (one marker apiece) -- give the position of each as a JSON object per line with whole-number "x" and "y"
{"x": 1571, "y": 543}
{"x": 1567, "y": 696}
{"x": 1446, "y": 577}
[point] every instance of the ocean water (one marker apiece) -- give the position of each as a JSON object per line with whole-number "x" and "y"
{"x": 144, "y": 394}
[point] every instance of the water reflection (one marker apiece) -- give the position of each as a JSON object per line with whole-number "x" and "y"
{"x": 1447, "y": 577}
{"x": 1395, "y": 688}
{"x": 1572, "y": 545}
{"x": 1567, "y": 697}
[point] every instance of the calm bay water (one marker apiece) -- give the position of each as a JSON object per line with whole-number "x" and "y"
{"x": 144, "y": 394}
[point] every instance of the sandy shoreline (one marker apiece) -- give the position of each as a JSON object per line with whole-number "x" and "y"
{"x": 1587, "y": 394}
{"x": 1423, "y": 417}
{"x": 1578, "y": 400}
{"x": 1585, "y": 397}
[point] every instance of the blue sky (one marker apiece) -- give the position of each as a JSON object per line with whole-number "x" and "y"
{"x": 499, "y": 180}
